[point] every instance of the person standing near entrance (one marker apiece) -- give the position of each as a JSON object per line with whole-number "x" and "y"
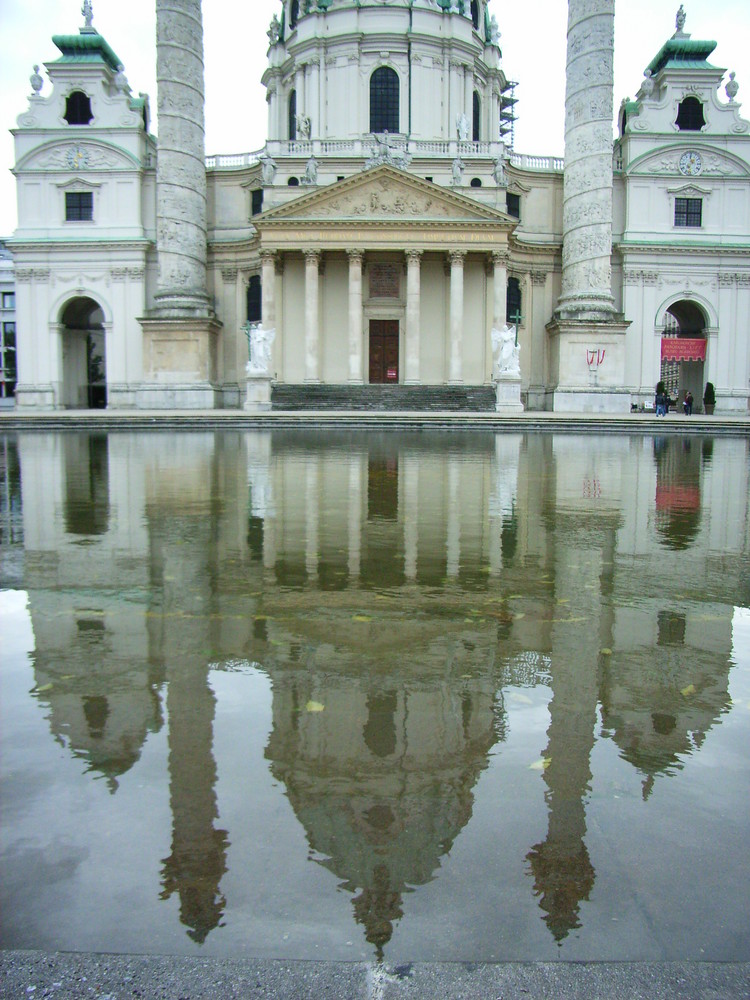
{"x": 687, "y": 403}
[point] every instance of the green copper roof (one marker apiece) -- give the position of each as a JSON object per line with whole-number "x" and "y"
{"x": 86, "y": 47}
{"x": 682, "y": 53}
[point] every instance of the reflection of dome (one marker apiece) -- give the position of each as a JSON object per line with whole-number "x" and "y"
{"x": 381, "y": 778}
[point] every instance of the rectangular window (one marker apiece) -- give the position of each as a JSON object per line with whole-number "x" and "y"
{"x": 9, "y": 300}
{"x": 257, "y": 196}
{"x": 688, "y": 212}
{"x": 513, "y": 205}
{"x": 79, "y": 206}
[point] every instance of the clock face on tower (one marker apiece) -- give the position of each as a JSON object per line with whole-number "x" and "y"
{"x": 691, "y": 163}
{"x": 77, "y": 157}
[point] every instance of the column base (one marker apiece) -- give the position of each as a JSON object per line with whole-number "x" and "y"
{"x": 35, "y": 397}
{"x": 587, "y": 365}
{"x": 179, "y": 363}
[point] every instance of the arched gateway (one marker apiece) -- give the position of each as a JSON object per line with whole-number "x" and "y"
{"x": 84, "y": 371}
{"x": 683, "y": 350}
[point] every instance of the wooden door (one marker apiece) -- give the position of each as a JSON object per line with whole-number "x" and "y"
{"x": 383, "y": 351}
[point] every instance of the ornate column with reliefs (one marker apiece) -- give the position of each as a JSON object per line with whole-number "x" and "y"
{"x": 586, "y": 318}
{"x": 413, "y": 313}
{"x": 180, "y": 333}
{"x": 356, "y": 258}
{"x": 455, "y": 373}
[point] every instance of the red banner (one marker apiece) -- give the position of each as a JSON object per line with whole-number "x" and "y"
{"x": 683, "y": 349}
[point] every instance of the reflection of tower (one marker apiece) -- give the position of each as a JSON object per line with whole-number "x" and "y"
{"x": 184, "y": 556}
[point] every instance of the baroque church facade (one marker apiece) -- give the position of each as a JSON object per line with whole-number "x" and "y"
{"x": 387, "y": 233}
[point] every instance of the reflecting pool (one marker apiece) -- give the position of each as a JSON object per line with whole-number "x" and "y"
{"x": 301, "y": 695}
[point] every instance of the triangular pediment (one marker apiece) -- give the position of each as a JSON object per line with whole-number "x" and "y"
{"x": 383, "y": 194}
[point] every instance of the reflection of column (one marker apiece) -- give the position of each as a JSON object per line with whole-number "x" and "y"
{"x": 411, "y": 515}
{"x": 457, "y": 314}
{"x": 413, "y": 308}
{"x": 500, "y": 287}
{"x": 355, "y": 515}
{"x": 312, "y": 514}
{"x": 454, "y": 524}
{"x": 355, "y": 315}
{"x": 312, "y": 268}
{"x": 268, "y": 288}
{"x": 562, "y": 870}
{"x": 198, "y": 860}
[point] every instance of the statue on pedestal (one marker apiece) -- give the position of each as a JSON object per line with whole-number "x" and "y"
{"x": 259, "y": 344}
{"x": 506, "y": 353}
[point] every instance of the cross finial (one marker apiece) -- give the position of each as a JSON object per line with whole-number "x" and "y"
{"x": 88, "y": 13}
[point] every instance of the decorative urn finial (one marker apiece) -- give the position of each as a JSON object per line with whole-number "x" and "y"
{"x": 37, "y": 82}
{"x": 732, "y": 87}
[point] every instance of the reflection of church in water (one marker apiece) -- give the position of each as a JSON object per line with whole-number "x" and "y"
{"x": 391, "y": 599}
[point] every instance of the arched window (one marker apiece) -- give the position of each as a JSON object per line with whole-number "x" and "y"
{"x": 476, "y": 182}
{"x": 475, "y": 14}
{"x": 513, "y": 302}
{"x": 78, "y": 109}
{"x": 690, "y": 117}
{"x": 293, "y": 182}
{"x": 254, "y": 300}
{"x": 293, "y": 13}
{"x": 293, "y": 116}
{"x": 476, "y": 115}
{"x": 384, "y": 101}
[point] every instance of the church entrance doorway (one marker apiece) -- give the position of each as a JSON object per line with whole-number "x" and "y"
{"x": 84, "y": 355}
{"x": 683, "y": 351}
{"x": 384, "y": 349}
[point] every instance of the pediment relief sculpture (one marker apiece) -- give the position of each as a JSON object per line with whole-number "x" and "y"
{"x": 77, "y": 156}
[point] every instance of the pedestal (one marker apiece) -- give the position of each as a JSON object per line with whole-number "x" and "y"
{"x": 258, "y": 393}
{"x": 179, "y": 363}
{"x": 508, "y": 394}
{"x": 587, "y": 366}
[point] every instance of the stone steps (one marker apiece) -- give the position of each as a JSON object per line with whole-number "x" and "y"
{"x": 383, "y": 398}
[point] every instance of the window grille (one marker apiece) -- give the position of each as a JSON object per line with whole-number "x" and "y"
{"x": 688, "y": 212}
{"x": 384, "y": 100}
{"x": 79, "y": 206}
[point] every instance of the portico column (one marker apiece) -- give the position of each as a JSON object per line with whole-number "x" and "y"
{"x": 457, "y": 315}
{"x": 312, "y": 269}
{"x": 355, "y": 315}
{"x": 268, "y": 289}
{"x": 500, "y": 286}
{"x": 413, "y": 310}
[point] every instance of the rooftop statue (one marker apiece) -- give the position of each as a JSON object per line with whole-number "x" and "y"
{"x": 88, "y": 13}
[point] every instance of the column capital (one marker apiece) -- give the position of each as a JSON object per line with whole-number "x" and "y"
{"x": 355, "y": 256}
{"x": 500, "y": 258}
{"x": 413, "y": 256}
{"x": 268, "y": 256}
{"x": 457, "y": 257}
{"x": 538, "y": 277}
{"x": 229, "y": 274}
{"x": 312, "y": 256}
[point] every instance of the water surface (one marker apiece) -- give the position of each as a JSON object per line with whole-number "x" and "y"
{"x": 459, "y": 697}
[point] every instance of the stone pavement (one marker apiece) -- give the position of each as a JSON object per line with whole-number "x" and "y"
{"x": 40, "y": 975}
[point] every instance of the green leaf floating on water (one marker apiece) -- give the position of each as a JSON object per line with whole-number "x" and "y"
{"x": 314, "y": 706}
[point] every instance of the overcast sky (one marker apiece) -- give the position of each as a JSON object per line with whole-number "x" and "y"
{"x": 533, "y": 44}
